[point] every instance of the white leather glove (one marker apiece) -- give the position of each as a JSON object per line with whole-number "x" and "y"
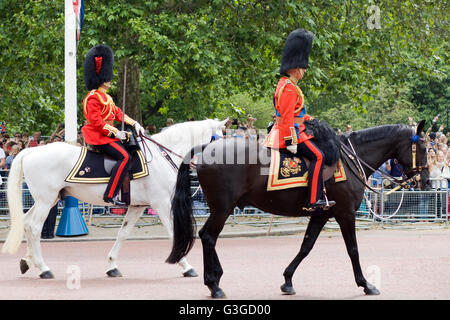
{"x": 292, "y": 148}
{"x": 122, "y": 135}
{"x": 139, "y": 129}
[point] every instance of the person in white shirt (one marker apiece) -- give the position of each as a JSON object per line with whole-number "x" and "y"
{"x": 439, "y": 172}
{"x": 2, "y": 162}
{"x": 2, "y": 158}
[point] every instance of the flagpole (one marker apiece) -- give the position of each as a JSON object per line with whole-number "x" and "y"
{"x": 70, "y": 68}
{"x": 71, "y": 222}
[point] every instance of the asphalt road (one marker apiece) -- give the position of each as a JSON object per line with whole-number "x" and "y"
{"x": 411, "y": 264}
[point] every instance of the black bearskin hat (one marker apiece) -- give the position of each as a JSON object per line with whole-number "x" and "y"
{"x": 296, "y": 50}
{"x": 98, "y": 66}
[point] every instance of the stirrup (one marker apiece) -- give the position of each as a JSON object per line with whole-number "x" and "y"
{"x": 115, "y": 201}
{"x": 320, "y": 204}
{"x": 330, "y": 203}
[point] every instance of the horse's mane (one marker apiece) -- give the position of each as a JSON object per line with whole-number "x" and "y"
{"x": 378, "y": 133}
{"x": 177, "y": 132}
{"x": 325, "y": 138}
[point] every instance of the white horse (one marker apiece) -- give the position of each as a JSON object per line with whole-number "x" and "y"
{"x": 45, "y": 169}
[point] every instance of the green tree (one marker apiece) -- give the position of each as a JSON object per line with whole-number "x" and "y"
{"x": 32, "y": 65}
{"x": 196, "y": 59}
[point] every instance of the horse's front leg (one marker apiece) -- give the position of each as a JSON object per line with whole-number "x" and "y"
{"x": 315, "y": 225}
{"x": 128, "y": 223}
{"x": 347, "y": 225}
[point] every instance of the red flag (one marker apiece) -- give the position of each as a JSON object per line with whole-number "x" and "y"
{"x": 3, "y": 127}
{"x": 78, "y": 8}
{"x": 436, "y": 118}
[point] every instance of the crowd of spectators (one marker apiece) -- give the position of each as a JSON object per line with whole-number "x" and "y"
{"x": 437, "y": 143}
{"x": 11, "y": 145}
{"x": 438, "y": 157}
{"x": 235, "y": 128}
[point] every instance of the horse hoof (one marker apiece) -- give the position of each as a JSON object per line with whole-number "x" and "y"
{"x": 190, "y": 273}
{"x": 371, "y": 291}
{"x": 47, "y": 275}
{"x": 218, "y": 294}
{"x": 24, "y": 266}
{"x": 114, "y": 273}
{"x": 288, "y": 290}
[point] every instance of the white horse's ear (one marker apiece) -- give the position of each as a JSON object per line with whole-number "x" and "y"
{"x": 224, "y": 122}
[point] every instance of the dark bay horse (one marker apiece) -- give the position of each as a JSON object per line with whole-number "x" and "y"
{"x": 227, "y": 184}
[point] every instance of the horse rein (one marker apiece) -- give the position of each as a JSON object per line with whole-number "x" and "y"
{"x": 166, "y": 156}
{"x": 361, "y": 174}
{"x": 159, "y": 145}
{"x": 164, "y": 151}
{"x": 351, "y": 154}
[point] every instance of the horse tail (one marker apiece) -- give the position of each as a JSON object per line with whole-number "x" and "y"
{"x": 14, "y": 191}
{"x": 182, "y": 214}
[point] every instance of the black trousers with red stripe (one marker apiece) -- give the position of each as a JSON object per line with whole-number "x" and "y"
{"x": 315, "y": 180}
{"x": 116, "y": 150}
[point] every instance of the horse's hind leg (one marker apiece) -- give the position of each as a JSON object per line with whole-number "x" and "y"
{"x": 128, "y": 223}
{"x": 34, "y": 220}
{"x": 315, "y": 225}
{"x": 212, "y": 269}
{"x": 27, "y": 261}
{"x": 347, "y": 225}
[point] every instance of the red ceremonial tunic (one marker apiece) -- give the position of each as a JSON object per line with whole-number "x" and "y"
{"x": 290, "y": 109}
{"x": 100, "y": 113}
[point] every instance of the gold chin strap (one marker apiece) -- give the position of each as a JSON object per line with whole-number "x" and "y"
{"x": 414, "y": 147}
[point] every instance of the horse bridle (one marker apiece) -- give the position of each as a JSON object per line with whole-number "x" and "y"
{"x": 415, "y": 168}
{"x": 404, "y": 182}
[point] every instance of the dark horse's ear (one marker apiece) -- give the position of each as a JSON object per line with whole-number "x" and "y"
{"x": 420, "y": 127}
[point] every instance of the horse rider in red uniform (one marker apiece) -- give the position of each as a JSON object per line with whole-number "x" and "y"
{"x": 100, "y": 113}
{"x": 289, "y": 129}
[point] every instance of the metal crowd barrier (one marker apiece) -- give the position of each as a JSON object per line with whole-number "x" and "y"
{"x": 408, "y": 206}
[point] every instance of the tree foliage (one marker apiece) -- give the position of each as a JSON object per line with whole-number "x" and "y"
{"x": 199, "y": 58}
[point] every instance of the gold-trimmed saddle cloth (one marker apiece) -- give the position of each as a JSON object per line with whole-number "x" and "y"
{"x": 289, "y": 171}
{"x": 95, "y": 167}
